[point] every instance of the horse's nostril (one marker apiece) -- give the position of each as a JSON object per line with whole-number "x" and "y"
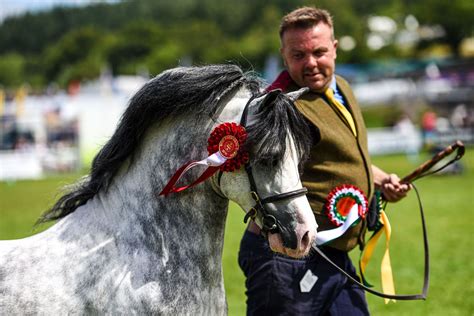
{"x": 305, "y": 240}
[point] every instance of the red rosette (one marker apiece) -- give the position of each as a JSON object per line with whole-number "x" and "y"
{"x": 228, "y": 139}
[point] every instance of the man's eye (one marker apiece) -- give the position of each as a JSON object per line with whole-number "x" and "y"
{"x": 318, "y": 54}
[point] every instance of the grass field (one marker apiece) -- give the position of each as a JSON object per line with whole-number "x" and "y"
{"x": 448, "y": 202}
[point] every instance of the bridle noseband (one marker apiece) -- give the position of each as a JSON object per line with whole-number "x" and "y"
{"x": 270, "y": 224}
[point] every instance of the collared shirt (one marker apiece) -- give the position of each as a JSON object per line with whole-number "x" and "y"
{"x": 337, "y": 95}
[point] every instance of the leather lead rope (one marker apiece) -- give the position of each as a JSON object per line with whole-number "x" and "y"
{"x": 421, "y": 171}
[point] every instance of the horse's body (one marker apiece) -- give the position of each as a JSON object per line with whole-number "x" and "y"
{"x": 119, "y": 248}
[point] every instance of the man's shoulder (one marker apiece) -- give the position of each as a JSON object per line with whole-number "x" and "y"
{"x": 341, "y": 80}
{"x": 343, "y": 85}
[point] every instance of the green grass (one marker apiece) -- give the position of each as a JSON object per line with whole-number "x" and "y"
{"x": 380, "y": 115}
{"x": 448, "y": 202}
{"x": 22, "y": 202}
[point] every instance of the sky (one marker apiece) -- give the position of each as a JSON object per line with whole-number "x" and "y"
{"x": 15, "y": 7}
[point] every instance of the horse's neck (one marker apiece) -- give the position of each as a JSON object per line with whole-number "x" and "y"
{"x": 132, "y": 209}
{"x": 183, "y": 226}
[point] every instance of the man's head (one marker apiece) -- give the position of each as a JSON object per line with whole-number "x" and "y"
{"x": 308, "y": 47}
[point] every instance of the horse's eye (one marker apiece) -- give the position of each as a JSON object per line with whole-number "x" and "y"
{"x": 270, "y": 163}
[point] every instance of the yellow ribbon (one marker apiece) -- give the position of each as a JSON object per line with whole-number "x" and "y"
{"x": 388, "y": 286}
{"x": 341, "y": 109}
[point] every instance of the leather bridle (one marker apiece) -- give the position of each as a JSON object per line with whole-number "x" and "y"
{"x": 270, "y": 224}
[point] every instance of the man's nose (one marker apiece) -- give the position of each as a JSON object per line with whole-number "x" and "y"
{"x": 311, "y": 61}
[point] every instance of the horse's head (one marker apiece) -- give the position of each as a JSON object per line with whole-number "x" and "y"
{"x": 269, "y": 187}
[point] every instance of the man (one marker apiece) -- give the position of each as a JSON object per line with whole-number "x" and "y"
{"x": 277, "y": 285}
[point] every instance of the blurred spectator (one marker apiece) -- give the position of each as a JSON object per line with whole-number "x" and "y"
{"x": 8, "y": 132}
{"x": 428, "y": 125}
{"x": 405, "y": 125}
{"x": 24, "y": 141}
{"x": 53, "y": 125}
{"x": 442, "y": 125}
{"x": 60, "y": 132}
{"x": 13, "y": 137}
{"x": 459, "y": 117}
{"x": 409, "y": 133}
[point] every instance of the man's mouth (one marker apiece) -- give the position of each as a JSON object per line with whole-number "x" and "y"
{"x": 312, "y": 75}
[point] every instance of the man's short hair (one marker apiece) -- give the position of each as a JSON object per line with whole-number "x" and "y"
{"x": 304, "y": 18}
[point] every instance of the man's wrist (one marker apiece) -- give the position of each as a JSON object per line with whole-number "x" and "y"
{"x": 380, "y": 177}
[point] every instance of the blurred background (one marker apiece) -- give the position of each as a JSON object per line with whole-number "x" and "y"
{"x": 68, "y": 69}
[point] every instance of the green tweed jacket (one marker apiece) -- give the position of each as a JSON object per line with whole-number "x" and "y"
{"x": 337, "y": 158}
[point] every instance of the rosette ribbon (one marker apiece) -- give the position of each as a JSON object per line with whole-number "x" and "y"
{"x": 345, "y": 206}
{"x": 383, "y": 227}
{"x": 226, "y": 153}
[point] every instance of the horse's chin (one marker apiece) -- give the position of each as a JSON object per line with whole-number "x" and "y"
{"x": 276, "y": 244}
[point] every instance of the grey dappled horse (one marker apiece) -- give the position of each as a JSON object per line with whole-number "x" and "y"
{"x": 120, "y": 248}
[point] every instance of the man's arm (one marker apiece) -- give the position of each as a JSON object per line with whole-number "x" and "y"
{"x": 389, "y": 185}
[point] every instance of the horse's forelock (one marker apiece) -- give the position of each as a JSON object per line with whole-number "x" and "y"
{"x": 275, "y": 120}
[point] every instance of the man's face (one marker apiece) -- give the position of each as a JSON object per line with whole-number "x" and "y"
{"x": 310, "y": 56}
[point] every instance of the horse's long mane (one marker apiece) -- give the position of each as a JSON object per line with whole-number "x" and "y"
{"x": 174, "y": 92}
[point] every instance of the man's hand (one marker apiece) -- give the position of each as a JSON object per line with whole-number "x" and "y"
{"x": 392, "y": 189}
{"x": 389, "y": 185}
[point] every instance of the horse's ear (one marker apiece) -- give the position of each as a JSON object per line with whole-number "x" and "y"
{"x": 293, "y": 96}
{"x": 271, "y": 96}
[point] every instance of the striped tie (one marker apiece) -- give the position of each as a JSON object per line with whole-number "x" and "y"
{"x": 341, "y": 110}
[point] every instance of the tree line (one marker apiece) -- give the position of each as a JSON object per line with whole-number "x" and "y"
{"x": 129, "y": 37}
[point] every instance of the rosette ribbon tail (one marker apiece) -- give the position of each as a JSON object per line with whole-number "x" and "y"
{"x": 213, "y": 162}
{"x": 224, "y": 147}
{"x": 388, "y": 286}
